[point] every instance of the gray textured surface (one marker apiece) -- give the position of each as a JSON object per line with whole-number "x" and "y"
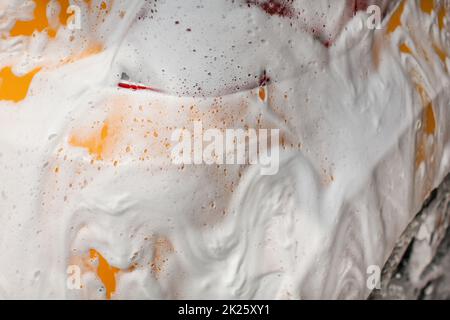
{"x": 419, "y": 267}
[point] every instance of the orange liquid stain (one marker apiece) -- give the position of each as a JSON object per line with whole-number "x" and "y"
{"x": 40, "y": 22}
{"x": 262, "y": 94}
{"x": 95, "y": 144}
{"x": 428, "y": 126}
{"x": 63, "y": 14}
{"x": 427, "y": 6}
{"x": 15, "y": 88}
{"x": 441, "y": 16}
{"x": 395, "y": 20}
{"x": 405, "y": 49}
{"x": 429, "y": 120}
{"x": 105, "y": 272}
{"x": 100, "y": 142}
{"x": 94, "y": 49}
{"x": 441, "y": 54}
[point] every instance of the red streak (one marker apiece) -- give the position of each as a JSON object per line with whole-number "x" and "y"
{"x": 136, "y": 87}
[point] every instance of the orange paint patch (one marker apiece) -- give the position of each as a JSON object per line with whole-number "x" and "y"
{"x": 441, "y": 15}
{"x": 442, "y": 55}
{"x": 427, "y": 6}
{"x": 94, "y": 144}
{"x": 63, "y": 15}
{"x": 15, "y": 88}
{"x": 100, "y": 143}
{"x": 396, "y": 18}
{"x": 429, "y": 120}
{"x": 405, "y": 49}
{"x": 428, "y": 126}
{"x": 40, "y": 22}
{"x": 262, "y": 94}
{"x": 105, "y": 272}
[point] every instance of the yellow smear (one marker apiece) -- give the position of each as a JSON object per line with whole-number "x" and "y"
{"x": 405, "y": 49}
{"x": 427, "y": 6}
{"x": 396, "y": 18}
{"x": 15, "y": 88}
{"x": 105, "y": 272}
